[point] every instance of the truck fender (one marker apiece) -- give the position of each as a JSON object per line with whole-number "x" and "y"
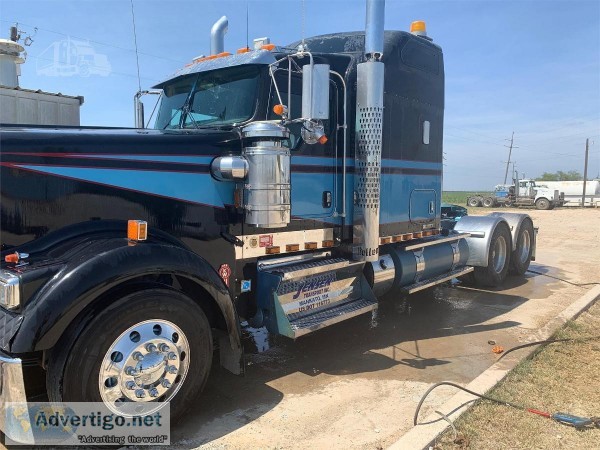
{"x": 514, "y": 220}
{"x": 82, "y": 284}
{"x": 481, "y": 229}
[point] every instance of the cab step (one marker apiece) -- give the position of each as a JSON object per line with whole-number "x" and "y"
{"x": 297, "y": 298}
{"x": 327, "y": 317}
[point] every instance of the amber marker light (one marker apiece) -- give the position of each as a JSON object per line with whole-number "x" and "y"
{"x": 137, "y": 230}
{"x": 322, "y": 140}
{"x": 12, "y": 258}
{"x": 419, "y": 28}
{"x": 278, "y": 109}
{"x": 243, "y": 50}
{"x": 268, "y": 47}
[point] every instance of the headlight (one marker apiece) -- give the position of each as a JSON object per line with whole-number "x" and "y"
{"x": 10, "y": 294}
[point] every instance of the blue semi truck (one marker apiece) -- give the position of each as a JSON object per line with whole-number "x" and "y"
{"x": 289, "y": 187}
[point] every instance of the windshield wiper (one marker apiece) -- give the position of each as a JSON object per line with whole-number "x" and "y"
{"x": 184, "y": 109}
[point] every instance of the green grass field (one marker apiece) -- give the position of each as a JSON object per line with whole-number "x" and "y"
{"x": 457, "y": 197}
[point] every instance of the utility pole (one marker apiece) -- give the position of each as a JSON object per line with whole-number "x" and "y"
{"x": 587, "y": 148}
{"x": 510, "y": 149}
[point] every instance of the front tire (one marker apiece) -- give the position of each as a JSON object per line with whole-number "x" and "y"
{"x": 521, "y": 256}
{"x": 542, "y": 203}
{"x": 153, "y": 345}
{"x": 498, "y": 259}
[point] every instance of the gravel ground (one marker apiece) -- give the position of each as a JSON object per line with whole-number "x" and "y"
{"x": 356, "y": 384}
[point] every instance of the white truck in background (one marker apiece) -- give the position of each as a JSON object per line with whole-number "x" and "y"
{"x": 528, "y": 194}
{"x": 573, "y": 191}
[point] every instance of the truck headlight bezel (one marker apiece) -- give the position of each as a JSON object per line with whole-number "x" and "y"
{"x": 10, "y": 290}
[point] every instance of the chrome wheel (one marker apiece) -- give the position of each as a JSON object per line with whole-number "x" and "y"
{"x": 148, "y": 362}
{"x": 499, "y": 254}
{"x": 525, "y": 246}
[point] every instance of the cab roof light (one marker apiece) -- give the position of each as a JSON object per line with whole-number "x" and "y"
{"x": 268, "y": 47}
{"x": 243, "y": 50}
{"x": 418, "y": 28}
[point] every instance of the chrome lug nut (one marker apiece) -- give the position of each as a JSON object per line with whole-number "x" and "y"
{"x": 172, "y": 356}
{"x": 138, "y": 356}
{"x": 163, "y": 348}
{"x": 171, "y": 369}
{"x": 130, "y": 371}
{"x": 140, "y": 393}
{"x": 150, "y": 348}
{"x": 130, "y": 385}
{"x": 166, "y": 384}
{"x": 153, "y": 392}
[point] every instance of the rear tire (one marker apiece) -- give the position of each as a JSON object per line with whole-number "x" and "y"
{"x": 542, "y": 203}
{"x": 473, "y": 202}
{"x": 488, "y": 202}
{"x": 169, "y": 320}
{"x": 521, "y": 256}
{"x": 498, "y": 259}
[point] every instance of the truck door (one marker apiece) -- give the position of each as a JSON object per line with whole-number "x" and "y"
{"x": 313, "y": 166}
{"x": 422, "y": 205}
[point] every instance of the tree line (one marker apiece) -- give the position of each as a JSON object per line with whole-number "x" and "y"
{"x": 571, "y": 175}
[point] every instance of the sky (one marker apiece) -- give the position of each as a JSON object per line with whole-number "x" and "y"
{"x": 530, "y": 67}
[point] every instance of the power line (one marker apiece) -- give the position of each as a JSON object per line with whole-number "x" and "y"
{"x": 471, "y": 139}
{"x": 111, "y": 72}
{"x": 557, "y": 157}
{"x": 94, "y": 41}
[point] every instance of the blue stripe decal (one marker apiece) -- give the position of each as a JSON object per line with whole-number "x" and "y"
{"x": 158, "y": 158}
{"x": 405, "y": 164}
{"x": 191, "y": 187}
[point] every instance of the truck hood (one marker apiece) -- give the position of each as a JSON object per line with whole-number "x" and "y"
{"x": 90, "y": 141}
{"x": 55, "y": 177}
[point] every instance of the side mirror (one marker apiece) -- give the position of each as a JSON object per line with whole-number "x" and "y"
{"x": 315, "y": 91}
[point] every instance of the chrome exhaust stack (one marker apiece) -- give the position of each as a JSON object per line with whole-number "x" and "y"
{"x": 369, "y": 133}
{"x": 217, "y": 36}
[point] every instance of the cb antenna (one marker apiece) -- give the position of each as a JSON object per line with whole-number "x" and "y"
{"x": 247, "y": 13}
{"x": 137, "y": 58}
{"x": 303, "y": 22}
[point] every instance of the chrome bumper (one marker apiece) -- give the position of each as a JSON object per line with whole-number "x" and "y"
{"x": 12, "y": 387}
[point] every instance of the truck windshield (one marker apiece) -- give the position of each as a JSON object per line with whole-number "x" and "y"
{"x": 219, "y": 97}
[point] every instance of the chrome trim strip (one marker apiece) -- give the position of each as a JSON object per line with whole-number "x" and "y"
{"x": 454, "y": 237}
{"x": 455, "y": 254}
{"x": 315, "y": 270}
{"x": 420, "y": 286}
{"x": 420, "y": 262}
{"x": 270, "y": 264}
